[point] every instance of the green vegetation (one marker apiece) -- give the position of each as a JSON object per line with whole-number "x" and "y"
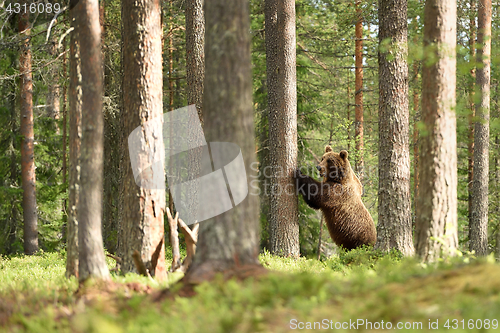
{"x": 361, "y": 284}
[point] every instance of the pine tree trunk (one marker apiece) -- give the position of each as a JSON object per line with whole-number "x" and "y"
{"x": 142, "y": 226}
{"x": 54, "y": 89}
{"x": 348, "y": 111}
{"x": 472, "y": 88}
{"x": 195, "y": 75}
{"x": 282, "y": 118}
{"x": 478, "y": 230}
{"x": 436, "y": 223}
{"x": 358, "y": 94}
{"x": 64, "y": 144}
{"x": 13, "y": 222}
{"x": 228, "y": 242}
{"x": 195, "y": 53}
{"x": 416, "y": 141}
{"x": 92, "y": 263}
{"x": 111, "y": 149}
{"x": 27, "y": 145}
{"x": 75, "y": 118}
{"x": 394, "y": 228}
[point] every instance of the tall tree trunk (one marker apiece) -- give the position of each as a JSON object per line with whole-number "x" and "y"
{"x": 64, "y": 122}
{"x": 142, "y": 226}
{"x": 478, "y": 230}
{"x": 195, "y": 53}
{"x": 64, "y": 144}
{"x": 75, "y": 118}
{"x": 12, "y": 223}
{"x": 282, "y": 113}
{"x": 394, "y": 228}
{"x": 416, "y": 141}
{"x": 54, "y": 89}
{"x": 472, "y": 107}
{"x": 174, "y": 234}
{"x": 416, "y": 133}
{"x": 358, "y": 94}
{"x": 111, "y": 149}
{"x": 195, "y": 74}
{"x": 92, "y": 263}
{"x": 348, "y": 111}
{"x": 228, "y": 242}
{"x": 436, "y": 224}
{"x": 27, "y": 145}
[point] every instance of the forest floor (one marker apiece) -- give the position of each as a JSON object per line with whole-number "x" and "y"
{"x": 356, "y": 291}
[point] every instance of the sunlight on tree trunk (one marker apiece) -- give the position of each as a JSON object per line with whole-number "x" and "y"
{"x": 282, "y": 118}
{"x": 28, "y": 138}
{"x": 358, "y": 93}
{"x": 394, "y": 228}
{"x": 436, "y": 223}
{"x": 75, "y": 118}
{"x": 142, "y": 225}
{"x": 478, "y": 230}
{"x": 472, "y": 107}
{"x": 92, "y": 263}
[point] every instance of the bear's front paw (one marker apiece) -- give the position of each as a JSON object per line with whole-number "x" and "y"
{"x": 298, "y": 173}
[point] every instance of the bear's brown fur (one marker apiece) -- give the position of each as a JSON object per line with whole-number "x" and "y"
{"x": 339, "y": 197}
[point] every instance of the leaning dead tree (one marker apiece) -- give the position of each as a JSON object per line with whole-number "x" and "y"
{"x": 191, "y": 238}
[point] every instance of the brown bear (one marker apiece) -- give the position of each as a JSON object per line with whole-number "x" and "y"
{"x": 339, "y": 198}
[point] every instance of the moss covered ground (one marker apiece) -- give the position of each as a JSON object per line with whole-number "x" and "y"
{"x": 361, "y": 291}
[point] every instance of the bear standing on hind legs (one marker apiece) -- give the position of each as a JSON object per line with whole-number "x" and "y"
{"x": 339, "y": 198}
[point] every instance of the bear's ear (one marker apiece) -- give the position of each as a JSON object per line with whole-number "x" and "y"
{"x": 344, "y": 154}
{"x": 328, "y": 149}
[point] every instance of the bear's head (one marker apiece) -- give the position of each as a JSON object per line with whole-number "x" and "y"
{"x": 334, "y": 167}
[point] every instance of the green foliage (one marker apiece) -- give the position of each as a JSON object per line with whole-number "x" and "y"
{"x": 363, "y": 284}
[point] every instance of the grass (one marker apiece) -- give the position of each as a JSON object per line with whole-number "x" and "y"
{"x": 359, "y": 286}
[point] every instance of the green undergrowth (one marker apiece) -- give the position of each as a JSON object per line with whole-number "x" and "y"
{"x": 351, "y": 288}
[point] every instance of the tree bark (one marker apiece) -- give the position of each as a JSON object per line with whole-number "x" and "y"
{"x": 478, "y": 230}
{"x": 10, "y": 234}
{"x": 195, "y": 53}
{"x": 174, "y": 233}
{"x": 75, "y": 118}
{"x": 92, "y": 263}
{"x": 27, "y": 145}
{"x": 416, "y": 141}
{"x": 64, "y": 146}
{"x": 282, "y": 115}
{"x": 436, "y": 223}
{"x": 142, "y": 225}
{"x": 195, "y": 75}
{"x": 348, "y": 111}
{"x": 111, "y": 147}
{"x": 54, "y": 89}
{"x": 229, "y": 242}
{"x": 65, "y": 125}
{"x": 358, "y": 94}
{"x": 472, "y": 114}
{"x": 394, "y": 228}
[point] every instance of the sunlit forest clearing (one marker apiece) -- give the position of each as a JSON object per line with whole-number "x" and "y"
{"x": 36, "y": 297}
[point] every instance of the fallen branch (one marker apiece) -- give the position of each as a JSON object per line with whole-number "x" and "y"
{"x": 118, "y": 262}
{"x": 117, "y": 259}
